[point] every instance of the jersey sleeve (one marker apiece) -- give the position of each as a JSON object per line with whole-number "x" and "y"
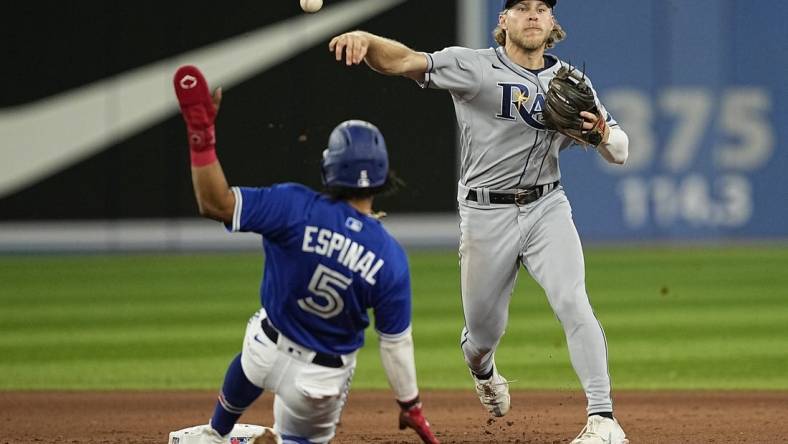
{"x": 455, "y": 69}
{"x": 392, "y": 304}
{"x": 269, "y": 211}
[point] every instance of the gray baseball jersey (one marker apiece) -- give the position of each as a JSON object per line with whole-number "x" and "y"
{"x": 505, "y": 144}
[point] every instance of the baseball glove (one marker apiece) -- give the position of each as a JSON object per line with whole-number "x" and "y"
{"x": 568, "y": 95}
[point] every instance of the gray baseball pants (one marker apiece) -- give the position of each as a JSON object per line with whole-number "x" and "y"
{"x": 495, "y": 240}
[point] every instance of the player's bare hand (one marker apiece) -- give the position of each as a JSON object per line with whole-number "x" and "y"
{"x": 591, "y": 121}
{"x": 352, "y": 45}
{"x": 413, "y": 417}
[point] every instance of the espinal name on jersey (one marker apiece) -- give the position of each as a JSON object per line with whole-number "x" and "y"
{"x": 349, "y": 253}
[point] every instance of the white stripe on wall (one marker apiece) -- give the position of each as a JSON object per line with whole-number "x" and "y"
{"x": 173, "y": 235}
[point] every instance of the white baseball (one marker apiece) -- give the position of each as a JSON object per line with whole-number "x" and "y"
{"x": 311, "y": 5}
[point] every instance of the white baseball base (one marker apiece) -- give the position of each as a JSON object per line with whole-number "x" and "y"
{"x": 241, "y": 434}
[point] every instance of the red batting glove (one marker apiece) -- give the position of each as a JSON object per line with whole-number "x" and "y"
{"x": 412, "y": 416}
{"x": 199, "y": 112}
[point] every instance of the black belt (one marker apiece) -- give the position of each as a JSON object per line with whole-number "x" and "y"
{"x": 326, "y": 360}
{"x": 520, "y": 197}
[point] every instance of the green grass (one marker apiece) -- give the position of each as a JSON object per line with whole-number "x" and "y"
{"x": 713, "y": 318}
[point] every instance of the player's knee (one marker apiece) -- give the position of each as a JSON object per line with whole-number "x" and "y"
{"x": 572, "y": 311}
{"x": 569, "y": 301}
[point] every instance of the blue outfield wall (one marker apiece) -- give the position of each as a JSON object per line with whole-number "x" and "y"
{"x": 699, "y": 87}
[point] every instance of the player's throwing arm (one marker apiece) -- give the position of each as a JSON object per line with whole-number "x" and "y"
{"x": 383, "y": 55}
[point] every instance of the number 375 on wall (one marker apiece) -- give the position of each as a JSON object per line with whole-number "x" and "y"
{"x": 693, "y": 144}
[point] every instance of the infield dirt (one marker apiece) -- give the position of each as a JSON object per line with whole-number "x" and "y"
{"x": 371, "y": 416}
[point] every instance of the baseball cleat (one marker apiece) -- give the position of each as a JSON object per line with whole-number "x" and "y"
{"x": 494, "y": 393}
{"x": 601, "y": 430}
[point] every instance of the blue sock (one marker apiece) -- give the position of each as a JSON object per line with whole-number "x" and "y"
{"x": 237, "y": 394}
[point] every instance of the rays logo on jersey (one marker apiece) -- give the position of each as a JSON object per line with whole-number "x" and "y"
{"x": 516, "y": 100}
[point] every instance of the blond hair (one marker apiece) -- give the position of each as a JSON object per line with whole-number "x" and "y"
{"x": 556, "y": 35}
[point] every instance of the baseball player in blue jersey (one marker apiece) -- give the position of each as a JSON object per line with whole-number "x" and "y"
{"x": 327, "y": 261}
{"x": 513, "y": 210}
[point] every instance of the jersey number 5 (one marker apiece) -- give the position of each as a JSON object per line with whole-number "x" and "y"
{"x": 324, "y": 285}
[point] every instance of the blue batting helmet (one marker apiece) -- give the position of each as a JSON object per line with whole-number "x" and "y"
{"x": 356, "y": 156}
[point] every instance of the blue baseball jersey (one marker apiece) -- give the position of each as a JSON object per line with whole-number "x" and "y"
{"x": 326, "y": 264}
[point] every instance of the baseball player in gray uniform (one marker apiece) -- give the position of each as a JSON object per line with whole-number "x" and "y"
{"x": 512, "y": 207}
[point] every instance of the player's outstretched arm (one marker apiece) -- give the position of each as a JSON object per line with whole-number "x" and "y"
{"x": 214, "y": 198}
{"x": 400, "y": 367}
{"x": 199, "y": 108}
{"x": 383, "y": 55}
